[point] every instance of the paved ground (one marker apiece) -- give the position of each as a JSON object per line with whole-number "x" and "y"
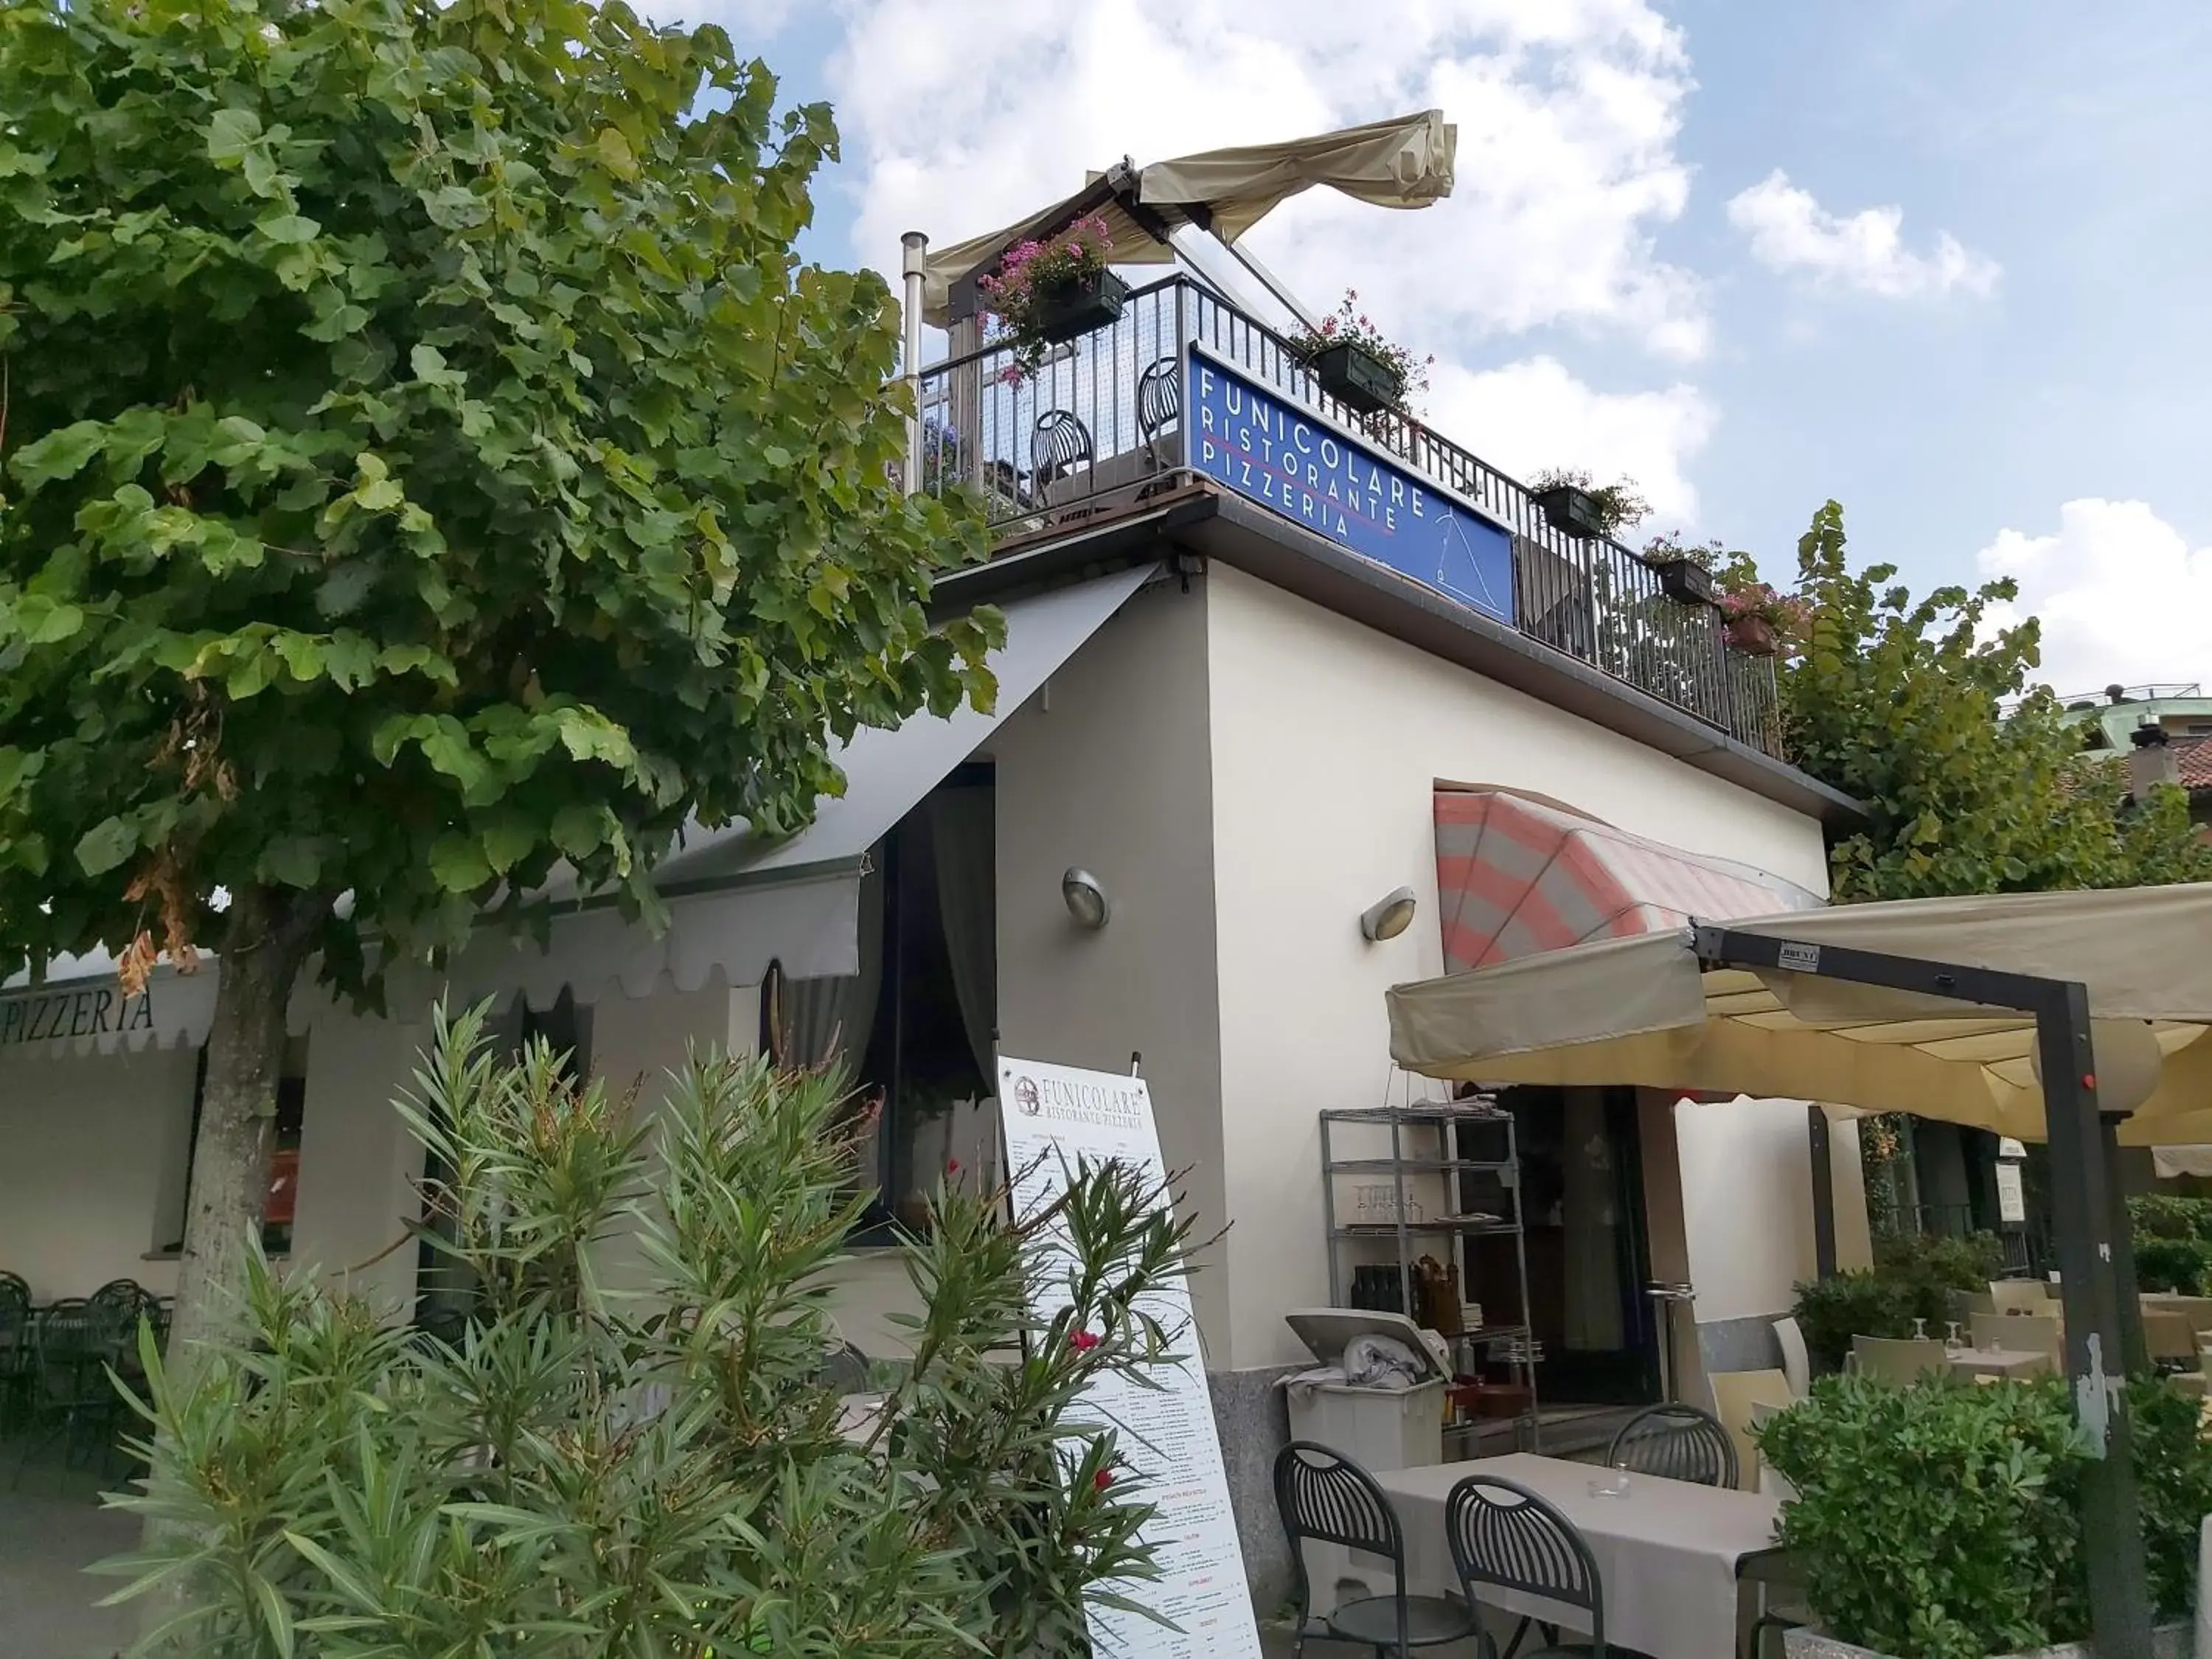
{"x": 51, "y": 1526}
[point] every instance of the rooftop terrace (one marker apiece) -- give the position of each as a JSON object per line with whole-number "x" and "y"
{"x": 1105, "y": 428}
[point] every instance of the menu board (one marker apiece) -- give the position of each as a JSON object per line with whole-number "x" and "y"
{"x": 1057, "y": 1119}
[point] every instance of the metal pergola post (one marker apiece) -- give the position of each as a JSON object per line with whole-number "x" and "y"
{"x": 1824, "y": 1189}
{"x": 2088, "y": 1224}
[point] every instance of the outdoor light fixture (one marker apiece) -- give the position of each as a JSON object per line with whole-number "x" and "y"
{"x": 1085, "y": 898}
{"x": 1389, "y": 915}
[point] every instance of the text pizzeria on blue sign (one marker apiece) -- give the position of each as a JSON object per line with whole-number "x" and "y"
{"x": 1269, "y": 450}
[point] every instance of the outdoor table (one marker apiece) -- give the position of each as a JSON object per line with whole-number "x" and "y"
{"x": 2000, "y": 1362}
{"x": 1668, "y": 1553}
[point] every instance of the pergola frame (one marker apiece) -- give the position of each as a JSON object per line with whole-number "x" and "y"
{"x": 2097, "y": 1277}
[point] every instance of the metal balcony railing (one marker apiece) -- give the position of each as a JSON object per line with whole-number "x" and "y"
{"x": 1097, "y": 427}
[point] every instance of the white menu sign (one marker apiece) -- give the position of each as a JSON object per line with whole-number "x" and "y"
{"x": 2012, "y": 1203}
{"x": 1056, "y": 1118}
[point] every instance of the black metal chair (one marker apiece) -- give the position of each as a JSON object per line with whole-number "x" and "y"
{"x": 16, "y": 1349}
{"x": 1676, "y": 1442}
{"x": 1325, "y": 1498}
{"x": 1059, "y": 446}
{"x": 1159, "y": 406}
{"x": 71, "y": 1398}
{"x": 1505, "y": 1537}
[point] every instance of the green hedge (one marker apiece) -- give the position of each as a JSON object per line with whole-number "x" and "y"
{"x": 2173, "y": 1242}
{"x": 1913, "y": 1277}
{"x": 1941, "y": 1521}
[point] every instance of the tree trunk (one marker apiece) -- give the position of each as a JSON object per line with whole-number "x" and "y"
{"x": 264, "y": 941}
{"x": 262, "y": 950}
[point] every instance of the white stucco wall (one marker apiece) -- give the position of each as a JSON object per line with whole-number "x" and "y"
{"x": 1748, "y": 1203}
{"x": 1328, "y": 740}
{"x": 1107, "y": 769}
{"x": 357, "y": 1162}
{"x": 85, "y": 1141}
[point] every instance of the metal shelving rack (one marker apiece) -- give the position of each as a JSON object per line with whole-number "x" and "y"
{"x": 1439, "y": 1134}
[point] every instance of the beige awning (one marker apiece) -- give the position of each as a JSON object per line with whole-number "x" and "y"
{"x": 1640, "y": 1011}
{"x": 1401, "y": 163}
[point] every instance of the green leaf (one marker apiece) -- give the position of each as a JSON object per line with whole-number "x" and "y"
{"x": 288, "y": 228}
{"x": 459, "y": 864}
{"x": 508, "y": 842}
{"x": 59, "y": 454}
{"x": 230, "y": 133}
{"x": 578, "y": 830}
{"x": 295, "y": 861}
{"x": 105, "y": 845}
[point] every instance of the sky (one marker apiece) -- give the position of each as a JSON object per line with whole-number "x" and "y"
{"x": 1941, "y": 260}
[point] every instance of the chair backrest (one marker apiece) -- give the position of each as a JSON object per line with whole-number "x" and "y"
{"x": 2168, "y": 1334}
{"x": 2196, "y": 1309}
{"x": 1737, "y": 1396}
{"x": 63, "y": 1335}
{"x": 1797, "y": 1363}
{"x": 115, "y": 1310}
{"x": 1903, "y": 1362}
{"x": 1323, "y": 1496}
{"x": 14, "y": 1302}
{"x": 1505, "y": 1537}
{"x": 1159, "y": 397}
{"x": 1059, "y": 443}
{"x": 1676, "y": 1442}
{"x": 2027, "y": 1296}
{"x": 2025, "y": 1333}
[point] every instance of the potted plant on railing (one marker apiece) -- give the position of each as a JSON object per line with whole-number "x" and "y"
{"x": 1356, "y": 365}
{"x": 1050, "y": 291}
{"x": 1757, "y": 619}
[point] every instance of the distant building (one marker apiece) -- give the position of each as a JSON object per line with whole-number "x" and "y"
{"x": 2164, "y": 730}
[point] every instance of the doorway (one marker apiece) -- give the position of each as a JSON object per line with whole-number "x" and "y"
{"x": 1589, "y": 1244}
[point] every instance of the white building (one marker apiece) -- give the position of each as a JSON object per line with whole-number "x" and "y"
{"x": 1238, "y": 726}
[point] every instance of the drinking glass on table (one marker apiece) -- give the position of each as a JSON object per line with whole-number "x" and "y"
{"x": 1951, "y": 1336}
{"x": 1919, "y": 1329}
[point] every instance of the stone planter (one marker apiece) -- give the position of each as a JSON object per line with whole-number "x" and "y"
{"x": 2166, "y": 1642}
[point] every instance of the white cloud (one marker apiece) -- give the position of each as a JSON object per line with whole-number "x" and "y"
{"x": 959, "y": 115}
{"x": 1790, "y": 231}
{"x": 1532, "y": 415}
{"x": 2124, "y": 598}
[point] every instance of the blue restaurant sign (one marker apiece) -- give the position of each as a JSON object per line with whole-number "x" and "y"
{"x": 1310, "y": 471}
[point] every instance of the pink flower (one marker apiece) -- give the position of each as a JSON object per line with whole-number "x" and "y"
{"x": 952, "y": 1166}
{"x": 1082, "y": 1341}
{"x": 1102, "y": 1479}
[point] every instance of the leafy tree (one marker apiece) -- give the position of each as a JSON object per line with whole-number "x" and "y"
{"x": 425, "y": 460}
{"x": 672, "y": 1472}
{"x": 1905, "y": 705}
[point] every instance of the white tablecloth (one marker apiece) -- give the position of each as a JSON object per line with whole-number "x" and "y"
{"x": 2000, "y": 1362}
{"x": 1667, "y": 1552}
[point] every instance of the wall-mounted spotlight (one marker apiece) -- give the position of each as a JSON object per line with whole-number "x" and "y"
{"x": 1085, "y": 898}
{"x": 1389, "y": 915}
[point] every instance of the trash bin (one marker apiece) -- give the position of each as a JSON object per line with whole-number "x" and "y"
{"x": 1377, "y": 1428}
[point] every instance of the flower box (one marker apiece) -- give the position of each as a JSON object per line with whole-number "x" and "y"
{"x": 1753, "y": 635}
{"x": 1572, "y": 512}
{"x": 1068, "y": 310}
{"x": 1357, "y": 378}
{"x": 2166, "y": 1642}
{"x": 1686, "y": 581}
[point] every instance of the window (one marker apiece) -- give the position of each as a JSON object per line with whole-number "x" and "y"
{"x": 917, "y": 1026}
{"x": 279, "y": 1205}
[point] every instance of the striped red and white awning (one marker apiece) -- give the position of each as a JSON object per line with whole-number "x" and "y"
{"x": 1515, "y": 876}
